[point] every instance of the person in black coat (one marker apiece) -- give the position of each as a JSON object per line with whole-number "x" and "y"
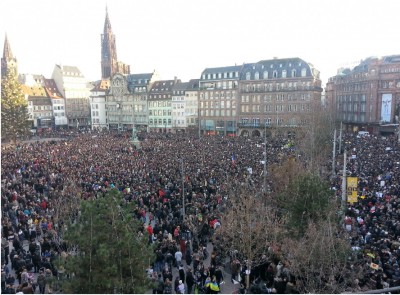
{"x": 182, "y": 273}
{"x": 188, "y": 256}
{"x": 189, "y": 280}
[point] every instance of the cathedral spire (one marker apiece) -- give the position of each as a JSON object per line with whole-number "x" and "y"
{"x": 8, "y": 61}
{"x": 107, "y": 23}
{"x": 7, "y": 53}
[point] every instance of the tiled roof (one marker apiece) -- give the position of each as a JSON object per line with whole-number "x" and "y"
{"x": 51, "y": 89}
{"x": 101, "y": 85}
{"x": 38, "y": 91}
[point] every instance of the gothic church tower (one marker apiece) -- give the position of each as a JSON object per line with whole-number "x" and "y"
{"x": 109, "y": 62}
{"x": 8, "y": 61}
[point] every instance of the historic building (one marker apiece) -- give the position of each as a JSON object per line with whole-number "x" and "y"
{"x": 8, "y": 61}
{"x": 192, "y": 104}
{"x": 126, "y": 101}
{"x": 139, "y": 86}
{"x": 178, "y": 105}
{"x": 367, "y": 97}
{"x": 74, "y": 88}
{"x": 218, "y": 93}
{"x": 109, "y": 61}
{"x": 276, "y": 93}
{"x": 58, "y": 103}
{"x": 40, "y": 108}
{"x": 98, "y": 104}
{"x": 160, "y": 105}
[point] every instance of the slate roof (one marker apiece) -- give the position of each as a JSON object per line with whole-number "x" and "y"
{"x": 278, "y": 65}
{"x": 70, "y": 70}
{"x": 221, "y": 70}
{"x": 180, "y": 86}
{"x": 193, "y": 84}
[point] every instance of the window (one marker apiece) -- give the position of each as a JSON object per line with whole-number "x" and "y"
{"x": 248, "y": 76}
{"x": 284, "y": 74}
{"x": 275, "y": 74}
{"x": 293, "y": 73}
{"x": 257, "y": 75}
{"x": 265, "y": 75}
{"x": 303, "y": 72}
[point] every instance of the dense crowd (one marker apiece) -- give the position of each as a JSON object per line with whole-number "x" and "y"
{"x": 37, "y": 174}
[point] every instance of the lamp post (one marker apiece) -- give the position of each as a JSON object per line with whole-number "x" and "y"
{"x": 134, "y": 140}
{"x": 183, "y": 189}
{"x": 265, "y": 159}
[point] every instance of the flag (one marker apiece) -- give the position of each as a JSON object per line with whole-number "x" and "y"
{"x": 233, "y": 159}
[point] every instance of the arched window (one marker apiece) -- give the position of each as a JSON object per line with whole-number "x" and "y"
{"x": 303, "y": 72}
{"x": 284, "y": 74}
{"x": 293, "y": 73}
{"x": 265, "y": 74}
{"x": 275, "y": 74}
{"x": 257, "y": 75}
{"x": 248, "y": 76}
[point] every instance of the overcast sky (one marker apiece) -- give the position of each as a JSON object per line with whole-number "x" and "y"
{"x": 183, "y": 37}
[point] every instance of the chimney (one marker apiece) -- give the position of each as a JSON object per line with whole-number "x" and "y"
{"x": 175, "y": 79}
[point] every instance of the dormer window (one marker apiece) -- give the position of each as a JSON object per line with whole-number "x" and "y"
{"x": 248, "y": 76}
{"x": 284, "y": 73}
{"x": 275, "y": 74}
{"x": 303, "y": 72}
{"x": 265, "y": 74}
{"x": 257, "y": 75}
{"x": 293, "y": 73}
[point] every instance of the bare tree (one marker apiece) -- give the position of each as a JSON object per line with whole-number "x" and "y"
{"x": 250, "y": 228}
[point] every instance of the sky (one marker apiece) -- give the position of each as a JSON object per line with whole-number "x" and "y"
{"x": 181, "y": 38}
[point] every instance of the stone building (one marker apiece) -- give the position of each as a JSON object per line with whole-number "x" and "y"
{"x": 367, "y": 97}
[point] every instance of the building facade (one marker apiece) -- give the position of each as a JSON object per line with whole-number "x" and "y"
{"x": 98, "y": 104}
{"x": 58, "y": 103}
{"x": 8, "y": 61}
{"x": 178, "y": 105}
{"x": 218, "y": 96}
{"x": 367, "y": 97}
{"x": 160, "y": 105}
{"x": 74, "y": 88}
{"x": 192, "y": 104}
{"x": 40, "y": 107}
{"x": 109, "y": 61}
{"x": 276, "y": 93}
{"x": 139, "y": 86}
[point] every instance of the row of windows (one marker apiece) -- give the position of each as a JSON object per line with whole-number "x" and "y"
{"x": 351, "y": 107}
{"x": 42, "y": 108}
{"x": 159, "y": 112}
{"x": 220, "y": 75}
{"x": 159, "y": 104}
{"x": 218, "y": 104}
{"x": 218, "y": 113}
{"x": 353, "y": 117}
{"x": 275, "y": 74}
{"x": 275, "y": 97}
{"x": 350, "y": 98}
{"x": 159, "y": 121}
{"x": 270, "y": 121}
{"x": 277, "y": 108}
{"x": 300, "y": 85}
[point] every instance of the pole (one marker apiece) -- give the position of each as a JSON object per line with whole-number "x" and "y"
{"x": 344, "y": 191}
{"x": 334, "y": 154}
{"x": 340, "y": 138}
{"x": 265, "y": 161}
{"x": 183, "y": 191}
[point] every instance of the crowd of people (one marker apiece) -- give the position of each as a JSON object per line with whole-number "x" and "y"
{"x": 206, "y": 171}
